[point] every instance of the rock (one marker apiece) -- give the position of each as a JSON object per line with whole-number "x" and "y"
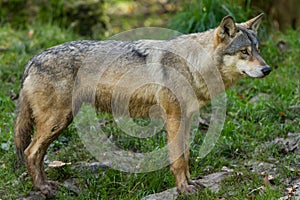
{"x": 295, "y": 108}
{"x": 289, "y": 144}
{"x": 261, "y": 167}
{"x": 293, "y": 191}
{"x": 70, "y": 184}
{"x": 167, "y": 194}
{"x": 34, "y": 196}
{"x": 260, "y": 97}
{"x": 211, "y": 181}
{"x": 92, "y": 167}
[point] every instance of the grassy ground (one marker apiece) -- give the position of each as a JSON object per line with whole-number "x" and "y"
{"x": 249, "y": 127}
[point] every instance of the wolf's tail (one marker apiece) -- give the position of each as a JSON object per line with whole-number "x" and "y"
{"x": 23, "y": 127}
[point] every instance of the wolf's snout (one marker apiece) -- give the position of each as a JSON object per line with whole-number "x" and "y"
{"x": 266, "y": 70}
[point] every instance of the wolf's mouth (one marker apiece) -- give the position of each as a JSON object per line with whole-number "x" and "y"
{"x": 249, "y": 75}
{"x": 253, "y": 76}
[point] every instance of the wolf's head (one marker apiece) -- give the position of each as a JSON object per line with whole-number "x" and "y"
{"x": 238, "y": 48}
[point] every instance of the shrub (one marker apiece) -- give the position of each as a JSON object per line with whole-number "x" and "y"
{"x": 84, "y": 17}
{"x": 200, "y": 15}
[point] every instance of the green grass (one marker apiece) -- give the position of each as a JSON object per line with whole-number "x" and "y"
{"x": 247, "y": 128}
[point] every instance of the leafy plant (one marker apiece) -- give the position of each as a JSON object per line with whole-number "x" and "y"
{"x": 200, "y": 15}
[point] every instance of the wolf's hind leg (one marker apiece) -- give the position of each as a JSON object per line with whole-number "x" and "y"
{"x": 24, "y": 127}
{"x": 49, "y": 126}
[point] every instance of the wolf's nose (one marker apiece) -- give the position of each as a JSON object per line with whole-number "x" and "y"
{"x": 266, "y": 70}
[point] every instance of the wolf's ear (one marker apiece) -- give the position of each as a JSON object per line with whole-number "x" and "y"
{"x": 227, "y": 28}
{"x": 254, "y": 23}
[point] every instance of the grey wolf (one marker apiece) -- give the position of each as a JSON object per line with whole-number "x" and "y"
{"x": 49, "y": 79}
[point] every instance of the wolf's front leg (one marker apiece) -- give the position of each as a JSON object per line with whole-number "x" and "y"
{"x": 178, "y": 144}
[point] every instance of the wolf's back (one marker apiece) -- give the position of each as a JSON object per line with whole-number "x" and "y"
{"x": 52, "y": 74}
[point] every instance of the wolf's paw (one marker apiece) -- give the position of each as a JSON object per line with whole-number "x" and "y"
{"x": 196, "y": 184}
{"x": 187, "y": 189}
{"x": 49, "y": 188}
{"x": 190, "y": 188}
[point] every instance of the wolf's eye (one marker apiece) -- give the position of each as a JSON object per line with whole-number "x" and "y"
{"x": 245, "y": 52}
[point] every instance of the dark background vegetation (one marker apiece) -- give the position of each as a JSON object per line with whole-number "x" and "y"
{"x": 258, "y": 111}
{"x": 94, "y": 18}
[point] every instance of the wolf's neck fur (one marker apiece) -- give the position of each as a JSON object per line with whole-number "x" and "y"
{"x": 205, "y": 63}
{"x": 214, "y": 57}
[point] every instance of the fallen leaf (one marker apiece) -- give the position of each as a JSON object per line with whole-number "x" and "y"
{"x": 260, "y": 189}
{"x": 239, "y": 174}
{"x": 241, "y": 97}
{"x": 283, "y": 46}
{"x": 30, "y": 33}
{"x": 270, "y": 177}
{"x": 203, "y": 121}
{"x": 284, "y": 198}
{"x": 263, "y": 173}
{"x": 266, "y": 181}
{"x": 290, "y": 190}
{"x": 282, "y": 114}
{"x": 226, "y": 169}
{"x": 58, "y": 164}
